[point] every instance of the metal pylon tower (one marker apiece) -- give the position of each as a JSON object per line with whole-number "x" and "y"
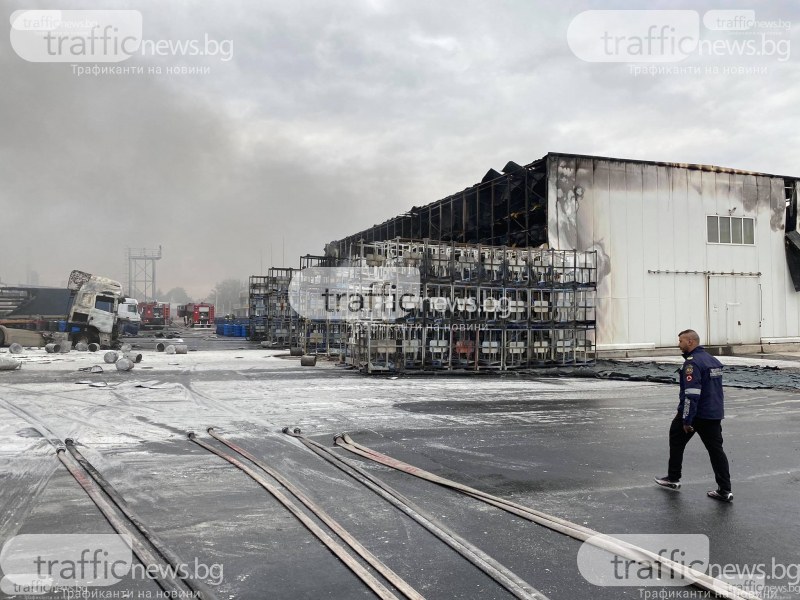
{"x": 142, "y": 273}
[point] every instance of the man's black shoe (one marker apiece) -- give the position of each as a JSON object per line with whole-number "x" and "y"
{"x": 721, "y": 495}
{"x": 667, "y": 482}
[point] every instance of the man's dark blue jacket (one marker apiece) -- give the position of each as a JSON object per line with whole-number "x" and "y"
{"x": 701, "y": 387}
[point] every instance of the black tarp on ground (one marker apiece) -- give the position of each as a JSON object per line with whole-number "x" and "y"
{"x": 740, "y": 376}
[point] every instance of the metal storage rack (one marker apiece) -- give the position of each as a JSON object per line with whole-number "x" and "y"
{"x": 321, "y": 336}
{"x": 483, "y": 308}
{"x": 271, "y": 317}
{"x": 283, "y": 323}
{"x": 257, "y": 311}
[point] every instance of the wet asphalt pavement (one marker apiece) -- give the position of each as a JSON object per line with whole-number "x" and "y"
{"x": 581, "y": 449}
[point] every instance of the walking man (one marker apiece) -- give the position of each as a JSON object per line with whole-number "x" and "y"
{"x": 701, "y": 410}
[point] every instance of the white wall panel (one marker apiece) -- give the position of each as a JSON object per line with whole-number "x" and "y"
{"x": 604, "y": 329}
{"x": 584, "y": 199}
{"x": 601, "y": 225}
{"x": 616, "y": 248}
{"x": 665, "y": 222}
{"x": 792, "y": 298}
{"x": 712, "y": 205}
{"x": 750, "y": 210}
{"x": 652, "y": 313}
{"x": 770, "y": 323}
{"x": 666, "y": 259}
{"x": 619, "y": 319}
{"x": 780, "y": 284}
{"x": 703, "y": 201}
{"x": 645, "y": 217}
{"x": 679, "y": 183}
{"x": 634, "y": 249}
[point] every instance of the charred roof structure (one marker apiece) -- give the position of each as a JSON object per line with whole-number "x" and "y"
{"x": 507, "y": 209}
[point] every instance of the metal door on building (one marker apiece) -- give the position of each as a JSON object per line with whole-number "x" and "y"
{"x": 734, "y": 310}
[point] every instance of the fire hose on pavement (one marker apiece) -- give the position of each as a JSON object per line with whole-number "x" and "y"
{"x": 578, "y": 532}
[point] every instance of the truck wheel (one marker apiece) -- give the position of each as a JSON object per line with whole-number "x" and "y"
{"x": 81, "y": 337}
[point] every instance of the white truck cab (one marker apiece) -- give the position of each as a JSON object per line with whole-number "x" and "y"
{"x": 94, "y": 309}
{"x": 128, "y": 317}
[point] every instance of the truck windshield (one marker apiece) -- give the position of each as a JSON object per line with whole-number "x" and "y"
{"x": 104, "y": 303}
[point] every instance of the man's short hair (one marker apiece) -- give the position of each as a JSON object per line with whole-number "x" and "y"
{"x": 691, "y": 334}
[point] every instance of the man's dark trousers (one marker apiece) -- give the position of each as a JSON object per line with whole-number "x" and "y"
{"x": 710, "y": 432}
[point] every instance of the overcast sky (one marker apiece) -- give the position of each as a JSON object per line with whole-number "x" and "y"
{"x": 331, "y": 116}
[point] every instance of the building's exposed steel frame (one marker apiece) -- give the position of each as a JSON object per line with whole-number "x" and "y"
{"x": 506, "y": 209}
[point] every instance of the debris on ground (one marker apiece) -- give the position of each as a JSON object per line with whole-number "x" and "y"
{"x": 9, "y": 364}
{"x": 124, "y": 364}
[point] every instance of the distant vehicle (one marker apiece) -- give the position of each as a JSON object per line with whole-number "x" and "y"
{"x": 128, "y": 318}
{"x": 197, "y": 314}
{"x": 155, "y": 315}
{"x": 84, "y": 312}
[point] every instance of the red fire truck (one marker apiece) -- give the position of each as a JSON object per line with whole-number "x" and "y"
{"x": 155, "y": 315}
{"x": 197, "y": 315}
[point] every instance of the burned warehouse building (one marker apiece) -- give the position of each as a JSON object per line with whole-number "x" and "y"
{"x": 676, "y": 245}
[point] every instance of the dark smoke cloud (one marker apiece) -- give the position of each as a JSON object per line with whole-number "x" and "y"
{"x": 330, "y": 117}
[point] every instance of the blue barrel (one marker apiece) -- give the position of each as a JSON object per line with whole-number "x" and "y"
{"x": 220, "y": 329}
{"x": 62, "y": 326}
{"x": 240, "y": 330}
{"x": 226, "y": 329}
